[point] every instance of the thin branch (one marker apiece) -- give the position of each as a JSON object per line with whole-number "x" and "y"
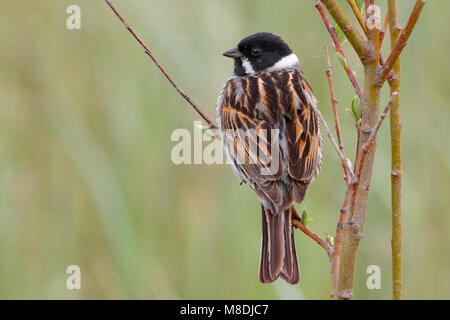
{"x": 338, "y": 48}
{"x": 342, "y": 156}
{"x": 344, "y": 160}
{"x": 322, "y": 242}
{"x": 384, "y": 28}
{"x": 334, "y": 104}
{"x": 401, "y": 42}
{"x": 396, "y": 165}
{"x": 353, "y": 36}
{"x": 148, "y": 52}
{"x": 358, "y": 14}
{"x": 382, "y": 34}
{"x": 333, "y": 100}
{"x": 358, "y": 131}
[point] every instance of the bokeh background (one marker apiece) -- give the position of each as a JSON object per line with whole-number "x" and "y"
{"x": 85, "y": 170}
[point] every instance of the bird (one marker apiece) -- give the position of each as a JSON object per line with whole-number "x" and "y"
{"x": 267, "y": 121}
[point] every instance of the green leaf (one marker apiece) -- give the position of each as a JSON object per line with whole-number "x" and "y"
{"x": 305, "y": 219}
{"x": 342, "y": 60}
{"x": 340, "y": 35}
{"x": 356, "y": 107}
{"x": 355, "y": 110}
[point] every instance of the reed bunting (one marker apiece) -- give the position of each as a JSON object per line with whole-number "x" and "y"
{"x": 271, "y": 137}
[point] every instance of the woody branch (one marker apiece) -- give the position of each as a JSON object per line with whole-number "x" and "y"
{"x": 349, "y": 229}
{"x": 396, "y": 162}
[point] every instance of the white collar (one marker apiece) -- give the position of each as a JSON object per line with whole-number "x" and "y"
{"x": 290, "y": 61}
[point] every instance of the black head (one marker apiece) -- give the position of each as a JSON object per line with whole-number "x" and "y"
{"x": 261, "y": 52}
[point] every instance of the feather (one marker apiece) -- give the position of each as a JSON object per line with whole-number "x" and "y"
{"x": 272, "y": 138}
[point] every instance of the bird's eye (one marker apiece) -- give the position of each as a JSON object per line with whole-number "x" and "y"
{"x": 256, "y": 52}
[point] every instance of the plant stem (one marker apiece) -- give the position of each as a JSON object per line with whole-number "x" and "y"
{"x": 338, "y": 48}
{"x": 342, "y": 156}
{"x": 334, "y": 104}
{"x": 353, "y": 36}
{"x": 396, "y": 158}
{"x": 358, "y": 14}
{"x": 401, "y": 41}
{"x": 350, "y": 228}
{"x": 382, "y": 34}
{"x": 299, "y": 225}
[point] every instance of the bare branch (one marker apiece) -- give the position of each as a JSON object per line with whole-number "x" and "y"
{"x": 342, "y": 156}
{"x": 338, "y": 48}
{"x": 322, "y": 242}
{"x": 401, "y": 42}
{"x": 358, "y": 14}
{"x": 148, "y": 52}
{"x": 382, "y": 34}
{"x": 334, "y": 104}
{"x": 384, "y": 28}
{"x": 396, "y": 163}
{"x": 353, "y": 36}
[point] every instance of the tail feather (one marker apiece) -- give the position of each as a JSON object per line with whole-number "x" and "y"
{"x": 278, "y": 255}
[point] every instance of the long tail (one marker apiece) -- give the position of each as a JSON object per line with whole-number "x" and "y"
{"x": 278, "y": 256}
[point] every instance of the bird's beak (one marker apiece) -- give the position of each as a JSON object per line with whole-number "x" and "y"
{"x": 233, "y": 53}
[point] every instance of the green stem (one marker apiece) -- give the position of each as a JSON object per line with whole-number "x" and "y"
{"x": 396, "y": 152}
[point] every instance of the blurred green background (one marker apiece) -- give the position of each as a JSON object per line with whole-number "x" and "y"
{"x": 85, "y": 170}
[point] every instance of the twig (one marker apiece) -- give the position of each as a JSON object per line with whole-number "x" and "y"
{"x": 401, "y": 42}
{"x": 148, "y": 52}
{"x": 358, "y": 14}
{"x": 338, "y": 48}
{"x": 382, "y": 34}
{"x": 342, "y": 156}
{"x": 358, "y": 131}
{"x": 333, "y": 100}
{"x": 384, "y": 28}
{"x": 396, "y": 159}
{"x": 353, "y": 36}
{"x": 336, "y": 116}
{"x": 322, "y": 242}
